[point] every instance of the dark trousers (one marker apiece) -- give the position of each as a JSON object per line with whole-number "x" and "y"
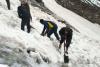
{"x": 53, "y": 30}
{"x": 66, "y": 40}
{"x": 8, "y": 4}
{"x": 25, "y": 22}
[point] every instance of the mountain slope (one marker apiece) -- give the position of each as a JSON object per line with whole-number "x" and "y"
{"x": 84, "y": 43}
{"x": 15, "y": 42}
{"x": 86, "y": 8}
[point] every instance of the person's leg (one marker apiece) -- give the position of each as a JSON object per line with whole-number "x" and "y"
{"x": 68, "y": 41}
{"x": 28, "y": 26}
{"x": 23, "y": 24}
{"x": 8, "y": 4}
{"x": 56, "y": 34}
{"x": 61, "y": 41}
{"x": 50, "y": 32}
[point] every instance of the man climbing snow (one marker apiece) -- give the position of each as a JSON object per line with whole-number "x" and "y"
{"x": 49, "y": 28}
{"x": 66, "y": 37}
{"x": 24, "y": 14}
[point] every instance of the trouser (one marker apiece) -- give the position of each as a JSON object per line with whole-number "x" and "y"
{"x": 66, "y": 40}
{"x": 8, "y": 4}
{"x": 53, "y": 30}
{"x": 27, "y": 23}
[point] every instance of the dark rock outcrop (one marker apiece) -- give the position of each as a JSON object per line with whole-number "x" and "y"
{"x": 88, "y": 11}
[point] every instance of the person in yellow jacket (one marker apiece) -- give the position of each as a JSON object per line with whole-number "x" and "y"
{"x": 49, "y": 28}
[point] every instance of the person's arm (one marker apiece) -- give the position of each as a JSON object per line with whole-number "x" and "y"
{"x": 43, "y": 32}
{"x": 19, "y": 12}
{"x": 46, "y": 31}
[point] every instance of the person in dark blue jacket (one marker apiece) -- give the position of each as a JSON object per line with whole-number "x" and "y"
{"x": 49, "y": 28}
{"x": 24, "y": 14}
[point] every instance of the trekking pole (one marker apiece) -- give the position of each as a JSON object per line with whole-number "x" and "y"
{"x": 64, "y": 47}
{"x": 34, "y": 28}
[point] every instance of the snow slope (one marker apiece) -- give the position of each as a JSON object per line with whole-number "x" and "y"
{"x": 1, "y": 65}
{"x": 85, "y": 47}
{"x": 75, "y": 20}
{"x": 14, "y": 42}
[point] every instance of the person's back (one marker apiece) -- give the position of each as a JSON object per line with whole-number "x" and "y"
{"x": 65, "y": 31}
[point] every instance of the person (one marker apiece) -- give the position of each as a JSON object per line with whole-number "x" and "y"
{"x": 66, "y": 37}
{"x": 8, "y": 4}
{"x": 24, "y": 14}
{"x": 49, "y": 28}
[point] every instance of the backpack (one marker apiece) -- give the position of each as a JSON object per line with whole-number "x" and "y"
{"x": 50, "y": 25}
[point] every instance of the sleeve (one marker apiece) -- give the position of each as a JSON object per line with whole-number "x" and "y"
{"x": 43, "y": 30}
{"x": 19, "y": 12}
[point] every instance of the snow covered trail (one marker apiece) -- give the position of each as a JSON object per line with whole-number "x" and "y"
{"x": 84, "y": 26}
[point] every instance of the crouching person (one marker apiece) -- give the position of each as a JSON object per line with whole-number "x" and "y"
{"x": 66, "y": 37}
{"x": 49, "y": 28}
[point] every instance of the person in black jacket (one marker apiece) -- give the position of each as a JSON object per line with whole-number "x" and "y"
{"x": 8, "y": 4}
{"x": 24, "y": 14}
{"x": 66, "y": 37}
{"x": 49, "y": 28}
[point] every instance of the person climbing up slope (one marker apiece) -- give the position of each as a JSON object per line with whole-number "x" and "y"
{"x": 49, "y": 28}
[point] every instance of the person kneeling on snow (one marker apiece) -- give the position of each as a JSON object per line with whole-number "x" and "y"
{"x": 49, "y": 28}
{"x": 66, "y": 37}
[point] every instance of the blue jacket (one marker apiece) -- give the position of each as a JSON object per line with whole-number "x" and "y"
{"x": 46, "y": 26}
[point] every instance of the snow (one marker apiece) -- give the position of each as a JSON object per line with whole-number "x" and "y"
{"x": 85, "y": 45}
{"x": 2, "y": 65}
{"x": 75, "y": 20}
{"x": 14, "y": 42}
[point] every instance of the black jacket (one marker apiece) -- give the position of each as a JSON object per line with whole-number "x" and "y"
{"x": 66, "y": 32}
{"x": 24, "y": 11}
